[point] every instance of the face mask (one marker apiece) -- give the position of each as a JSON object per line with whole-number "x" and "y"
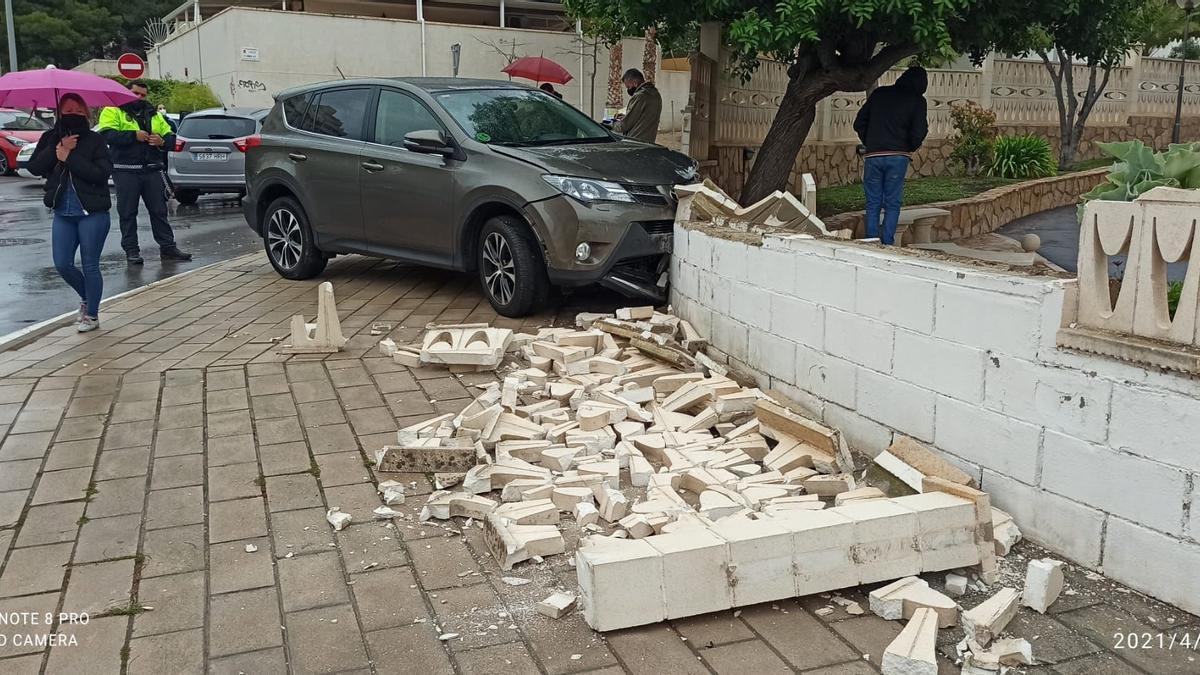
{"x": 73, "y": 124}
{"x": 631, "y": 90}
{"x": 138, "y": 106}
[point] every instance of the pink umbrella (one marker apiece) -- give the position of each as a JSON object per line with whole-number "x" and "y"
{"x": 41, "y": 88}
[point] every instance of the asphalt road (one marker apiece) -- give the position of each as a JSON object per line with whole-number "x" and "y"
{"x": 31, "y": 289}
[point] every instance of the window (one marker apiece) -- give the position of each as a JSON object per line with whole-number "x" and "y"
{"x": 398, "y": 115}
{"x": 338, "y": 113}
{"x": 216, "y": 127}
{"x": 293, "y": 109}
{"x": 10, "y": 121}
{"x": 520, "y": 117}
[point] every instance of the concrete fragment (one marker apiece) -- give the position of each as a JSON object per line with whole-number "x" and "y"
{"x": 858, "y": 494}
{"x": 983, "y": 623}
{"x": 1043, "y": 584}
{"x": 904, "y": 597}
{"x": 695, "y": 566}
{"x": 536, "y": 512}
{"x": 956, "y": 585}
{"x": 760, "y": 559}
{"x": 392, "y": 492}
{"x": 511, "y": 543}
{"x": 1004, "y": 531}
{"x": 337, "y": 518}
{"x": 324, "y": 336}
{"x": 585, "y": 513}
{"x": 387, "y": 347}
{"x": 912, "y": 652}
{"x": 557, "y": 605}
{"x": 1013, "y": 652}
{"x": 620, "y": 582}
{"x": 635, "y": 313}
{"x": 565, "y": 498}
{"x": 455, "y": 455}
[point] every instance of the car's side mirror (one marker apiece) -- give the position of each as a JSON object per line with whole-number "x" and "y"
{"x": 430, "y": 141}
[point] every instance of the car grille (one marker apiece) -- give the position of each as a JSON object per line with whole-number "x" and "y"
{"x": 653, "y": 195}
{"x": 658, "y": 226}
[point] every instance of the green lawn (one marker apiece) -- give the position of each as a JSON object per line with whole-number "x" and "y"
{"x": 843, "y": 198}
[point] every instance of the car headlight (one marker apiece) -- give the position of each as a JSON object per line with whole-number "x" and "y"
{"x": 589, "y": 191}
{"x": 19, "y": 142}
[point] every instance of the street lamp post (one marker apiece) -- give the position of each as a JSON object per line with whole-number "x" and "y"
{"x": 12, "y": 36}
{"x": 1187, "y": 6}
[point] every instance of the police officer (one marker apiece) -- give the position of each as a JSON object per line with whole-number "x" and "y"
{"x": 137, "y": 137}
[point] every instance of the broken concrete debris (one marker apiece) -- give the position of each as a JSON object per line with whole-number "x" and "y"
{"x": 913, "y": 650}
{"x": 680, "y": 475}
{"x": 983, "y": 623}
{"x": 324, "y": 336}
{"x": 1043, "y": 583}
{"x": 777, "y": 212}
{"x": 337, "y": 518}
{"x": 557, "y": 605}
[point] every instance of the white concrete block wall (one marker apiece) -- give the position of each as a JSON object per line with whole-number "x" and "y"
{"x": 1096, "y": 459}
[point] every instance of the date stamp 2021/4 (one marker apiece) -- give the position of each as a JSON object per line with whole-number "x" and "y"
{"x": 1148, "y": 640}
{"x": 39, "y": 629}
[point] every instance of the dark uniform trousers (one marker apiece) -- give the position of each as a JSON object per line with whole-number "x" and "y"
{"x": 150, "y": 188}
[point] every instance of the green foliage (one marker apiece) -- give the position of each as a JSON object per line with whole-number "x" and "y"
{"x": 1162, "y": 23}
{"x": 1174, "y": 290}
{"x": 1023, "y": 157}
{"x": 1139, "y": 169}
{"x": 1189, "y": 50}
{"x": 917, "y": 191}
{"x": 178, "y": 97}
{"x": 974, "y": 136}
{"x": 68, "y": 32}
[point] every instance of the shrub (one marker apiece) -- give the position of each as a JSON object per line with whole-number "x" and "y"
{"x": 1025, "y": 156}
{"x": 974, "y": 136}
{"x": 177, "y": 96}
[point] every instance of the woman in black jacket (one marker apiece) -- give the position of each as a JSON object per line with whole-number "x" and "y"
{"x": 74, "y": 160}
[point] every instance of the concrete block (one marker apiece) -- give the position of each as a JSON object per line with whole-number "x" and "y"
{"x": 886, "y": 296}
{"x": 1155, "y": 424}
{"x": 1153, "y": 563}
{"x": 946, "y": 528}
{"x": 1010, "y": 326}
{"x": 863, "y": 434}
{"x": 988, "y": 619}
{"x": 730, "y": 336}
{"x": 1060, "y": 524}
{"x": 729, "y": 259}
{"x": 772, "y": 270}
{"x": 700, "y": 248}
{"x": 1073, "y": 403}
{"x": 825, "y": 281}
{"x": 760, "y": 559}
{"x": 826, "y": 376}
{"x": 620, "y": 582}
{"x": 557, "y": 605}
{"x": 913, "y": 650}
{"x": 1137, "y": 489}
{"x": 1010, "y": 386}
{"x": 1043, "y": 583}
{"x": 713, "y": 290}
{"x": 798, "y": 320}
{"x": 565, "y": 498}
{"x": 888, "y": 601}
{"x": 695, "y": 577}
{"x": 821, "y": 541}
{"x": 946, "y": 367}
{"x": 585, "y": 514}
{"x": 684, "y": 279}
{"x": 899, "y": 405}
{"x": 859, "y": 340}
{"x": 1000, "y": 443}
{"x": 884, "y": 540}
{"x": 956, "y": 585}
{"x": 773, "y": 355}
{"x": 750, "y": 305}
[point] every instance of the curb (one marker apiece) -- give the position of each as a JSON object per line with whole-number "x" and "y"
{"x": 22, "y": 337}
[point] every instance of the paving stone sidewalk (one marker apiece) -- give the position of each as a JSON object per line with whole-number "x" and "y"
{"x": 138, "y": 465}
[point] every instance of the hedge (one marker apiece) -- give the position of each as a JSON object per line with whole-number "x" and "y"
{"x": 177, "y": 96}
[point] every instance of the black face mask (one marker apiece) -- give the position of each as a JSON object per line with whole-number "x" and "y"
{"x": 137, "y": 107}
{"x": 631, "y": 90}
{"x": 72, "y": 124}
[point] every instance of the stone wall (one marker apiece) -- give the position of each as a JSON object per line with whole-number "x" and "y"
{"x": 1095, "y": 458}
{"x": 991, "y": 210}
{"x": 837, "y": 163}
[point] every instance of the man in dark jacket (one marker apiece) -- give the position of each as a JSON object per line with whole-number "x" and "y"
{"x": 137, "y": 137}
{"x": 892, "y": 125}
{"x": 645, "y": 107}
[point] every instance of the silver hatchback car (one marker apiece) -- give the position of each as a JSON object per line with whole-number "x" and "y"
{"x": 210, "y": 152}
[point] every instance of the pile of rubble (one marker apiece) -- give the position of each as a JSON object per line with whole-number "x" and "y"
{"x": 778, "y": 212}
{"x": 693, "y": 490}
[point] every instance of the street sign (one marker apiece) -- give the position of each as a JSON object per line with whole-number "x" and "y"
{"x": 131, "y": 66}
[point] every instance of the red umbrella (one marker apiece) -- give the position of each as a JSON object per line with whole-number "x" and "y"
{"x": 538, "y": 69}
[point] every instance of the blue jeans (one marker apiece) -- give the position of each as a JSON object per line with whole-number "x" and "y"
{"x": 85, "y": 234}
{"x": 883, "y": 181}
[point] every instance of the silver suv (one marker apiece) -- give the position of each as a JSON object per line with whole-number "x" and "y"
{"x": 210, "y": 152}
{"x": 472, "y": 175}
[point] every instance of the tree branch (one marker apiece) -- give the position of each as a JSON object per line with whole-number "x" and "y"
{"x": 858, "y": 78}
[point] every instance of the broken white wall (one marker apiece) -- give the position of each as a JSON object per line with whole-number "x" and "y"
{"x": 1096, "y": 459}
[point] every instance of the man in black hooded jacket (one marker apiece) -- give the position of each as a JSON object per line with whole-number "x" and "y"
{"x": 892, "y": 125}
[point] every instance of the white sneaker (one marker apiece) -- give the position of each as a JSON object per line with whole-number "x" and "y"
{"x": 87, "y": 324}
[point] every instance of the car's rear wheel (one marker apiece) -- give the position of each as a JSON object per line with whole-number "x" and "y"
{"x": 510, "y": 267}
{"x": 5, "y": 168}
{"x": 187, "y": 197}
{"x": 289, "y": 242}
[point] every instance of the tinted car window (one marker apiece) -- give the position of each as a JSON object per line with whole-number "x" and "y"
{"x": 10, "y": 121}
{"x": 519, "y": 117}
{"x": 399, "y": 114}
{"x": 339, "y": 113}
{"x": 293, "y": 109}
{"x": 216, "y": 127}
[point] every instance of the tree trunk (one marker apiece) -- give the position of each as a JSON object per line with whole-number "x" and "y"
{"x": 650, "y": 54}
{"x": 616, "y": 97}
{"x": 777, "y": 155}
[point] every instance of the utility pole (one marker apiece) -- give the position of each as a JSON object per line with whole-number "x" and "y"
{"x": 12, "y": 36}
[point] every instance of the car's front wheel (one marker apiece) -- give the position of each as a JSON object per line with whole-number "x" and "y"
{"x": 511, "y": 268}
{"x": 289, "y": 241}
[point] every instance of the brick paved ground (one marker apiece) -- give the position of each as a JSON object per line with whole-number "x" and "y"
{"x": 138, "y": 462}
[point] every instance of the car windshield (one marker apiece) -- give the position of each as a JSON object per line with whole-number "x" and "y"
{"x": 520, "y": 117}
{"x": 19, "y": 121}
{"x": 216, "y": 127}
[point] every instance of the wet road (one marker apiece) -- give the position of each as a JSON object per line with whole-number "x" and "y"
{"x": 30, "y": 288}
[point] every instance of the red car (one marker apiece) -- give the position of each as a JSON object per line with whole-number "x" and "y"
{"x": 17, "y": 129}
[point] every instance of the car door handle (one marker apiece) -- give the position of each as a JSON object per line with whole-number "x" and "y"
{"x": 372, "y": 166}
{"x": 299, "y": 157}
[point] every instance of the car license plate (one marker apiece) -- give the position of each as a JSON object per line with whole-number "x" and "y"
{"x": 210, "y": 156}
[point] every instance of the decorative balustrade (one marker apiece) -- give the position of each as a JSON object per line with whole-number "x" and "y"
{"x": 1158, "y": 229}
{"x": 1021, "y": 92}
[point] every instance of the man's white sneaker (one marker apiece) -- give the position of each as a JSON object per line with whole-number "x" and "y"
{"x": 87, "y": 324}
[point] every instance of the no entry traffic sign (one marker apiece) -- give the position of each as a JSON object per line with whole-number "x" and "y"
{"x": 131, "y": 66}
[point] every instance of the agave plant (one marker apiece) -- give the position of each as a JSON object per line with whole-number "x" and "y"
{"x": 1024, "y": 156}
{"x": 1139, "y": 169}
